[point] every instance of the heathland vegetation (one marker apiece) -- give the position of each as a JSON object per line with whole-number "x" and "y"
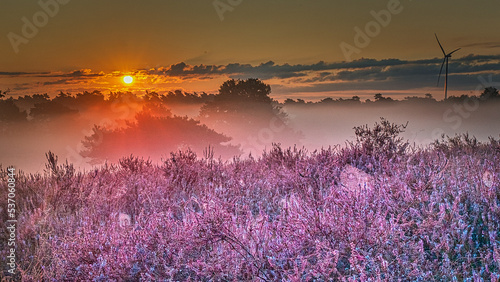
{"x": 375, "y": 209}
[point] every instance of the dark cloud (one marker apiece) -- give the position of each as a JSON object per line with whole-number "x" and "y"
{"x": 362, "y": 69}
{"x": 409, "y": 70}
{"x": 85, "y": 73}
{"x": 267, "y": 70}
{"x": 56, "y": 82}
{"x": 358, "y": 70}
{"x": 70, "y": 77}
{"x": 362, "y": 74}
{"x": 7, "y": 73}
{"x": 76, "y": 73}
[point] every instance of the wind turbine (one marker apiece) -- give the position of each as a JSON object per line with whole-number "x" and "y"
{"x": 445, "y": 60}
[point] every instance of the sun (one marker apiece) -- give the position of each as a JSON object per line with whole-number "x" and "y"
{"x": 128, "y": 79}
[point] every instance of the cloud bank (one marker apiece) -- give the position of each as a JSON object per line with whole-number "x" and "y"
{"x": 360, "y": 75}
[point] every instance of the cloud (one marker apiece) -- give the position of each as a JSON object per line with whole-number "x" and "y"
{"x": 57, "y": 82}
{"x": 266, "y": 70}
{"x": 362, "y": 69}
{"x": 363, "y": 74}
{"x": 83, "y": 73}
{"x": 359, "y": 70}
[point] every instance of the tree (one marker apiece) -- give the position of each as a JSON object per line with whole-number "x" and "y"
{"x": 379, "y": 98}
{"x": 88, "y": 99}
{"x": 4, "y": 93}
{"x": 244, "y": 110}
{"x": 353, "y": 100}
{"x": 241, "y": 101}
{"x": 27, "y": 102}
{"x": 240, "y": 96}
{"x": 9, "y": 111}
{"x": 490, "y": 93}
{"x": 152, "y": 136}
{"x": 327, "y": 100}
{"x": 248, "y": 90}
{"x": 65, "y": 99}
{"x": 50, "y": 109}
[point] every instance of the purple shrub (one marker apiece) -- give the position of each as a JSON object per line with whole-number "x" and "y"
{"x": 429, "y": 214}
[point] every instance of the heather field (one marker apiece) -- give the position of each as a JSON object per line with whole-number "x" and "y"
{"x": 237, "y": 140}
{"x": 376, "y": 209}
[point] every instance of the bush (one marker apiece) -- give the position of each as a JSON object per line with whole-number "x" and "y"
{"x": 284, "y": 216}
{"x": 375, "y": 147}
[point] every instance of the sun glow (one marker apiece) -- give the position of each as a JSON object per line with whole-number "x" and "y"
{"x": 128, "y": 79}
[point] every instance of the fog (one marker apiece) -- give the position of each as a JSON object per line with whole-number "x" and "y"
{"x": 241, "y": 120}
{"x": 324, "y": 125}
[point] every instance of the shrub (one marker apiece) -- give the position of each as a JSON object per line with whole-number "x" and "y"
{"x": 376, "y": 146}
{"x": 427, "y": 215}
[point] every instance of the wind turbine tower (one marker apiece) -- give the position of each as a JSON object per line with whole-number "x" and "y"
{"x": 445, "y": 60}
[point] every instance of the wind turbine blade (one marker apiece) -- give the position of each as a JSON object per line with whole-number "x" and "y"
{"x": 442, "y": 49}
{"x": 454, "y": 51}
{"x": 441, "y": 70}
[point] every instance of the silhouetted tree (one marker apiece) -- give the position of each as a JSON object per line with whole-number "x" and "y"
{"x": 66, "y": 99}
{"x": 427, "y": 99}
{"x": 246, "y": 90}
{"x": 459, "y": 99}
{"x": 327, "y": 100}
{"x": 152, "y": 97}
{"x": 244, "y": 110}
{"x": 490, "y": 93}
{"x": 353, "y": 100}
{"x": 50, "y": 109}
{"x": 27, "y": 102}
{"x": 179, "y": 97}
{"x": 88, "y": 99}
{"x": 152, "y": 136}
{"x": 240, "y": 97}
{"x": 379, "y": 98}
{"x": 10, "y": 112}
{"x": 242, "y": 101}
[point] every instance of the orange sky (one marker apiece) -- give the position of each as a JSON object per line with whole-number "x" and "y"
{"x": 64, "y": 45}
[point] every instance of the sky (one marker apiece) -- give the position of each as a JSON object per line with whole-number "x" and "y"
{"x": 303, "y": 49}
